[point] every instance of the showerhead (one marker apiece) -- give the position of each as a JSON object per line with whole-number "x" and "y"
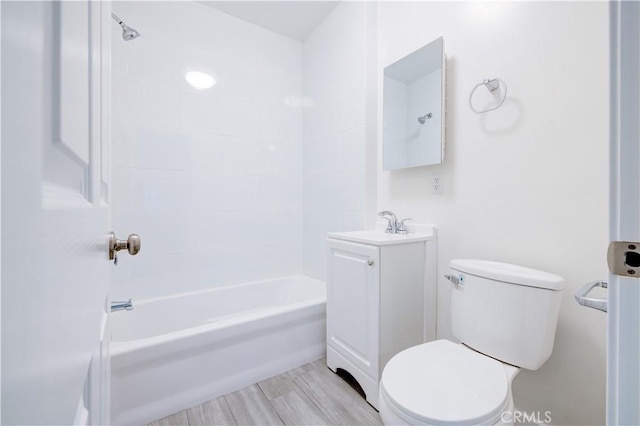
{"x": 128, "y": 33}
{"x": 423, "y": 119}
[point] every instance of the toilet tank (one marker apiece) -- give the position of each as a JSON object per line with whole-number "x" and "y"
{"x": 505, "y": 311}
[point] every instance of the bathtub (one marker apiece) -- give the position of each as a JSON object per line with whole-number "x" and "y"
{"x": 175, "y": 352}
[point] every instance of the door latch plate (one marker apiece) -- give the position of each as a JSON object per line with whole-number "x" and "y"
{"x": 623, "y": 258}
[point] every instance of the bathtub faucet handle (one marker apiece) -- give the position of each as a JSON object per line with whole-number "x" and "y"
{"x": 122, "y": 306}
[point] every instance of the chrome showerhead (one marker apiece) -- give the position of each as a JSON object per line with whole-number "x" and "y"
{"x": 423, "y": 119}
{"x": 128, "y": 33}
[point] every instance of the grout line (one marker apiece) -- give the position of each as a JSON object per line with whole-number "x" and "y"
{"x": 313, "y": 401}
{"x": 334, "y": 172}
{"x": 230, "y": 410}
{"x": 275, "y": 411}
{"x": 187, "y": 414}
{"x": 310, "y": 397}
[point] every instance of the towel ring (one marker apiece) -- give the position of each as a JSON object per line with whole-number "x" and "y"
{"x": 492, "y": 85}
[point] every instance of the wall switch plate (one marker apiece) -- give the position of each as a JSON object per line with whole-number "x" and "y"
{"x": 436, "y": 184}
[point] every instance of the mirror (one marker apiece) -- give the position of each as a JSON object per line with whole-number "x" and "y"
{"x": 413, "y": 109}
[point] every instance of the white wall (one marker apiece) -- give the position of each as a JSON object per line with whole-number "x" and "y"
{"x": 339, "y": 128}
{"x": 526, "y": 184}
{"x": 211, "y": 180}
{"x": 394, "y": 127}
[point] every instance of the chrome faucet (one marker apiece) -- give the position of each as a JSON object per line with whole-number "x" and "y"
{"x": 393, "y": 225}
{"x": 392, "y": 221}
{"x": 122, "y": 306}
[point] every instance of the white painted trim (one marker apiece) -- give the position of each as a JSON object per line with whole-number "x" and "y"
{"x": 623, "y": 345}
{"x": 104, "y": 199}
{"x": 81, "y": 417}
{"x": 57, "y": 197}
{"x": 431, "y": 288}
{"x": 0, "y": 214}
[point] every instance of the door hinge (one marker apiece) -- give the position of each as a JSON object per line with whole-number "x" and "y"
{"x": 623, "y": 258}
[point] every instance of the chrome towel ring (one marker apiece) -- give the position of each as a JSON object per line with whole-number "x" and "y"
{"x": 492, "y": 85}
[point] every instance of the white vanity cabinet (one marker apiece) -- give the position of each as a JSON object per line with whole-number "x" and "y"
{"x": 381, "y": 299}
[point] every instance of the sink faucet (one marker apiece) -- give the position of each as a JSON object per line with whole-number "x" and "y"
{"x": 392, "y": 221}
{"x": 393, "y": 225}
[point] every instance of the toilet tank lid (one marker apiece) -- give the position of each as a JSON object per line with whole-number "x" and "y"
{"x": 508, "y": 273}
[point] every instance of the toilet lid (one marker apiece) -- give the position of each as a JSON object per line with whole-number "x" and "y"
{"x": 445, "y": 383}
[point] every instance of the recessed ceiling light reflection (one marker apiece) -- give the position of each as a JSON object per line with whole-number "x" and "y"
{"x": 200, "y": 80}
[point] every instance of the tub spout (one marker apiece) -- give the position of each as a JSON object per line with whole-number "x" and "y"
{"x": 122, "y": 306}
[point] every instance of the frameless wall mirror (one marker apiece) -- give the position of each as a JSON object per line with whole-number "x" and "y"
{"x": 413, "y": 109}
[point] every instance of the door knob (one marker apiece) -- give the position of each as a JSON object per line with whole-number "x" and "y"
{"x": 131, "y": 244}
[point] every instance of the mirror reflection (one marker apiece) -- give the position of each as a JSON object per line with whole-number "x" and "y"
{"x": 413, "y": 109}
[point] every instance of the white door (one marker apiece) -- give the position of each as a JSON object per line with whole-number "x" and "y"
{"x": 55, "y": 210}
{"x": 353, "y": 303}
{"x": 623, "y": 355}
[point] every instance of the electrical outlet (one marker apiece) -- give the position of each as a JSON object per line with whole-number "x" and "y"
{"x": 436, "y": 184}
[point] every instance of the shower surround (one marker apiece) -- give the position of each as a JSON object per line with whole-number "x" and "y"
{"x": 213, "y": 182}
{"x": 211, "y": 179}
{"x": 242, "y": 181}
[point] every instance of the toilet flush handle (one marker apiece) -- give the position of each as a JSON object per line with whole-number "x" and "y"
{"x": 458, "y": 281}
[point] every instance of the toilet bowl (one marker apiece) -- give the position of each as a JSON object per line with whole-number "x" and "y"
{"x": 505, "y": 316}
{"x": 444, "y": 383}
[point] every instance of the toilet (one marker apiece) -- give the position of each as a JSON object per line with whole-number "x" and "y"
{"x": 505, "y": 318}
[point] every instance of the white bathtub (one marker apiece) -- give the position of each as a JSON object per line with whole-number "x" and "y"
{"x": 175, "y": 352}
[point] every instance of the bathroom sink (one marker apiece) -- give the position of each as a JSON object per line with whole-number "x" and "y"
{"x": 379, "y": 237}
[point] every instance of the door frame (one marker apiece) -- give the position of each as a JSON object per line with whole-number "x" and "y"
{"x": 0, "y": 212}
{"x": 623, "y": 336}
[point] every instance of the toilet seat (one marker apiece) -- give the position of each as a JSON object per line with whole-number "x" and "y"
{"x": 443, "y": 383}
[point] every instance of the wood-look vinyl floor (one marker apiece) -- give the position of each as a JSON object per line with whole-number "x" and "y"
{"x": 308, "y": 395}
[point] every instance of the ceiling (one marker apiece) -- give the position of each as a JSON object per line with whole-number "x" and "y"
{"x": 295, "y": 19}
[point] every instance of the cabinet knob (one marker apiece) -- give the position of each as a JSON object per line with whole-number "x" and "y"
{"x": 370, "y": 262}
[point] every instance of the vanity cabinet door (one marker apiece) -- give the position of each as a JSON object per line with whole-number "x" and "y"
{"x": 353, "y": 303}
